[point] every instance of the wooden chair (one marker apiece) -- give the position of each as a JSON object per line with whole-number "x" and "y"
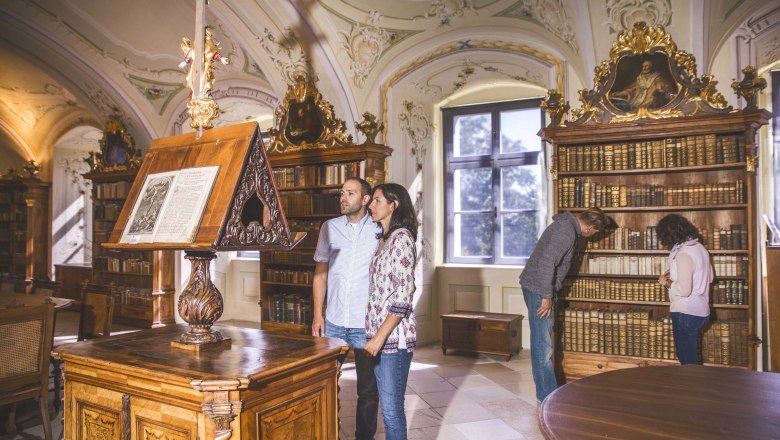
{"x": 97, "y": 308}
{"x": 26, "y": 335}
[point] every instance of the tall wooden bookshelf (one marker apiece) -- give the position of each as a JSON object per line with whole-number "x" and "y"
{"x": 311, "y": 155}
{"x": 142, "y": 280}
{"x": 308, "y": 183}
{"x": 693, "y": 156}
{"x": 24, "y": 227}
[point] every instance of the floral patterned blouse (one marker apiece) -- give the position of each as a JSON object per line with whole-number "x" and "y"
{"x": 391, "y": 291}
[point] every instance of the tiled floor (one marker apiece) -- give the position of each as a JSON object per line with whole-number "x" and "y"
{"x": 457, "y": 396}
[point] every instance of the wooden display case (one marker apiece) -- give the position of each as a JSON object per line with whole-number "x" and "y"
{"x": 691, "y": 155}
{"x": 24, "y": 227}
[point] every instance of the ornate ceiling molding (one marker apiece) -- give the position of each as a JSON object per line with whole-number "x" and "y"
{"x": 415, "y": 121}
{"x": 469, "y": 45}
{"x": 31, "y": 106}
{"x": 446, "y": 11}
{"x": 159, "y": 94}
{"x": 364, "y": 45}
{"x": 624, "y": 13}
{"x": 550, "y": 14}
{"x": 287, "y": 55}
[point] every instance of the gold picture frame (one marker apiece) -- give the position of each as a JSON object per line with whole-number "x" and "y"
{"x": 306, "y": 121}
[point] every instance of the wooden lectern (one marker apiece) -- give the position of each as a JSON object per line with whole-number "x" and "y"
{"x": 201, "y": 196}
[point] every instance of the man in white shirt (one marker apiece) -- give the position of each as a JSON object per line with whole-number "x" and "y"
{"x": 344, "y": 251}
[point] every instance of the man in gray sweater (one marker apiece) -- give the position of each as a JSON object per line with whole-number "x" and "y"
{"x": 543, "y": 276}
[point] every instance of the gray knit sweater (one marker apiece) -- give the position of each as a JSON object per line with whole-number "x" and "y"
{"x": 549, "y": 262}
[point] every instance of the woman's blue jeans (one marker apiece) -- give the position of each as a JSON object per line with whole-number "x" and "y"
{"x": 392, "y": 371}
{"x": 541, "y": 345}
{"x": 686, "y": 329}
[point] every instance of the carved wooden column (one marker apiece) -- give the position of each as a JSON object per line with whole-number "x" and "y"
{"x": 222, "y": 403}
{"x": 200, "y": 305}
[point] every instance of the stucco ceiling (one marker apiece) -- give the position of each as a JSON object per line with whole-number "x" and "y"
{"x": 70, "y": 63}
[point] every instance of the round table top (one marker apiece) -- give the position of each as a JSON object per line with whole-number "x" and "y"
{"x": 666, "y": 402}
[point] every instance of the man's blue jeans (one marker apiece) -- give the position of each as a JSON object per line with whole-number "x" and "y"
{"x": 541, "y": 345}
{"x": 685, "y": 329}
{"x": 368, "y": 396}
{"x": 392, "y": 371}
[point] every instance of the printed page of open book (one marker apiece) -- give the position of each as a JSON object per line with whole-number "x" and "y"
{"x": 170, "y": 206}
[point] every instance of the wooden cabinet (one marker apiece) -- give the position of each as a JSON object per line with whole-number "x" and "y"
{"x": 264, "y": 386}
{"x": 686, "y": 153}
{"x": 24, "y": 228}
{"x": 308, "y": 183}
{"x": 71, "y": 277}
{"x": 142, "y": 279}
{"x": 491, "y": 333}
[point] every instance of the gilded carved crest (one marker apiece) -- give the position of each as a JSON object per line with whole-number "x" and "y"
{"x": 117, "y": 150}
{"x": 647, "y": 76}
{"x": 306, "y": 121}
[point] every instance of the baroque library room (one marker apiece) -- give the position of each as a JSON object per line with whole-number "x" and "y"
{"x": 417, "y": 219}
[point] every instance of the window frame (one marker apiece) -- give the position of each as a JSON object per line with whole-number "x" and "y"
{"x": 494, "y": 160}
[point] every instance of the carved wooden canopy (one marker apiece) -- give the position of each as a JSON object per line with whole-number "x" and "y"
{"x": 304, "y": 121}
{"x": 646, "y": 76}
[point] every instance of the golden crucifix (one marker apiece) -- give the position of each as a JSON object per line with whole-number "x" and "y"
{"x": 200, "y": 56}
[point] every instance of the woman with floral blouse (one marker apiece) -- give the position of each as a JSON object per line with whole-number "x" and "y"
{"x": 391, "y": 329}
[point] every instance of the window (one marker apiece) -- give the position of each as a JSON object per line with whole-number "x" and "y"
{"x": 494, "y": 187}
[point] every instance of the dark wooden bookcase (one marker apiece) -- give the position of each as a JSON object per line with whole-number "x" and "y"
{"x": 311, "y": 155}
{"x": 24, "y": 227}
{"x": 691, "y": 155}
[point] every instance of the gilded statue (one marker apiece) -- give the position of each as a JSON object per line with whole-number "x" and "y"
{"x": 211, "y": 53}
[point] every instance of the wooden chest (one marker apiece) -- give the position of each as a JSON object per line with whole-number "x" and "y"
{"x": 490, "y": 333}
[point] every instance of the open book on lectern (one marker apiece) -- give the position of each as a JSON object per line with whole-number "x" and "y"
{"x": 170, "y": 206}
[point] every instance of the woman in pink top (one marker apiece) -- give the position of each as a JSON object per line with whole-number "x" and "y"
{"x": 688, "y": 280}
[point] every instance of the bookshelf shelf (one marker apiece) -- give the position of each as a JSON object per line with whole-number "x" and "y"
{"x": 286, "y": 306}
{"x": 719, "y": 198}
{"x": 696, "y": 168}
{"x": 659, "y": 252}
{"x": 739, "y": 206}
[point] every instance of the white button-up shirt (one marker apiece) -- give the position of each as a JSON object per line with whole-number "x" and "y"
{"x": 348, "y": 249}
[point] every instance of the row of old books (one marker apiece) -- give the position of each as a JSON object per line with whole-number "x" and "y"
{"x": 15, "y": 215}
{"x": 581, "y": 193}
{"x": 723, "y": 265}
{"x": 107, "y": 211}
{"x": 725, "y": 342}
{"x": 307, "y": 203}
{"x": 659, "y": 153}
{"x": 289, "y": 257}
{"x": 289, "y": 276}
{"x": 722, "y": 291}
{"x": 314, "y": 175}
{"x": 628, "y": 290}
{"x": 16, "y": 197}
{"x": 620, "y": 238}
{"x": 290, "y": 308}
{"x": 122, "y": 265}
{"x": 113, "y": 190}
{"x": 629, "y": 332}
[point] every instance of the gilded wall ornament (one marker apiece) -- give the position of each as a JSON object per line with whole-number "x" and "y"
{"x": 369, "y": 127}
{"x": 555, "y": 107}
{"x": 647, "y": 77}
{"x": 749, "y": 88}
{"x": 304, "y": 121}
{"x": 117, "y": 150}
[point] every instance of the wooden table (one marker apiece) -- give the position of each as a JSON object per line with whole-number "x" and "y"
{"x": 675, "y": 402}
{"x": 20, "y": 299}
{"x": 264, "y": 386}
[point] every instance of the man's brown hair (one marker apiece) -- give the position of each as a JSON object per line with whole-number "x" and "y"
{"x": 595, "y": 217}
